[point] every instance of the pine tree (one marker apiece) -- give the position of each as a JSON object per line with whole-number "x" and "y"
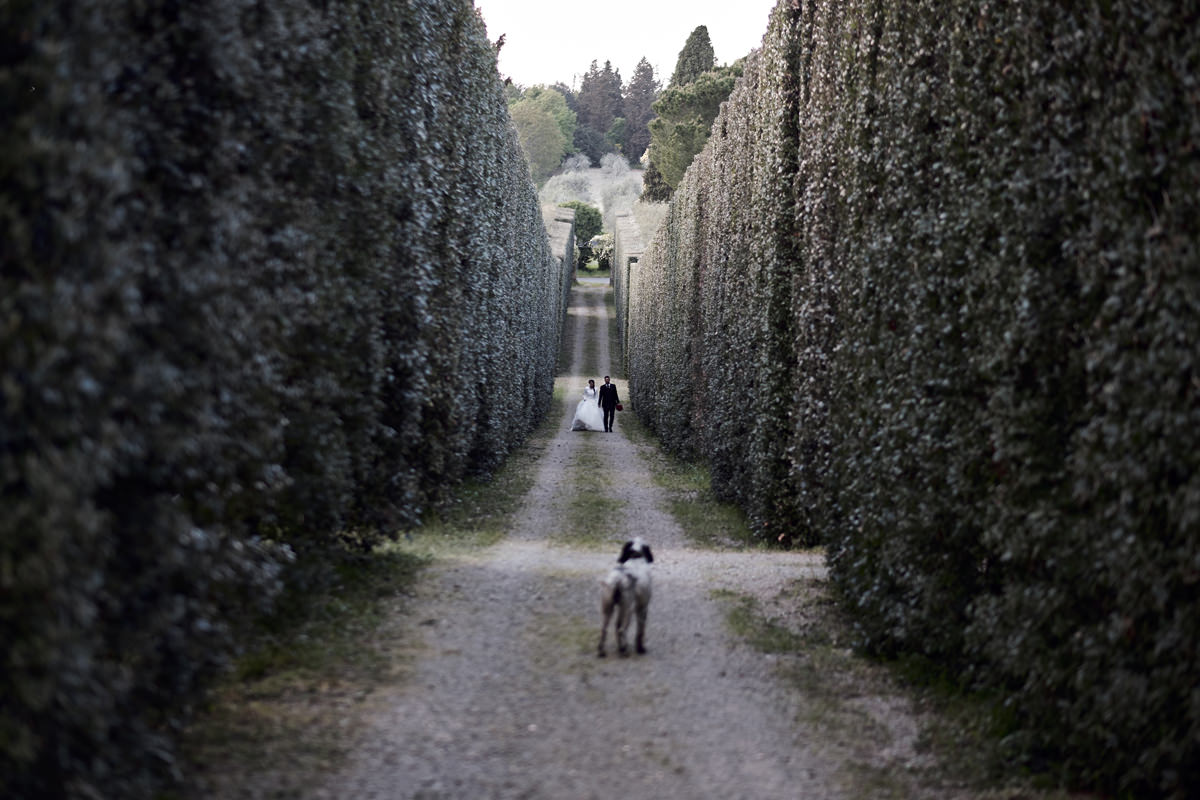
{"x": 695, "y": 59}
{"x": 640, "y": 95}
{"x": 599, "y": 98}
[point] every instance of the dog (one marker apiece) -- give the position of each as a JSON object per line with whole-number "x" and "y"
{"x": 626, "y": 589}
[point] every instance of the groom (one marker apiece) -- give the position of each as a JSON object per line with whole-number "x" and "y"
{"x": 608, "y": 401}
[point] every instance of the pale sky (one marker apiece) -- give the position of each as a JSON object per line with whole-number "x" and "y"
{"x": 549, "y": 41}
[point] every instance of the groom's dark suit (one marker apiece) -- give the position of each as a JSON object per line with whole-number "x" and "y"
{"x": 608, "y": 401}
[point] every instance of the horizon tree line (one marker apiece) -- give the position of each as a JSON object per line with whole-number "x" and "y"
{"x": 656, "y": 128}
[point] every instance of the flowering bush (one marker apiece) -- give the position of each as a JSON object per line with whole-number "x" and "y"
{"x": 262, "y": 268}
{"x": 929, "y": 296}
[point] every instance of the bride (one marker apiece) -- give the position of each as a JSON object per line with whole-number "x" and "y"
{"x": 588, "y": 416}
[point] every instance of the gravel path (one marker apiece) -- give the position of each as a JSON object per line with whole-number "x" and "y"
{"x": 508, "y": 699}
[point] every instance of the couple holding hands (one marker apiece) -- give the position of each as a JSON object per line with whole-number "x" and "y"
{"x": 598, "y": 407}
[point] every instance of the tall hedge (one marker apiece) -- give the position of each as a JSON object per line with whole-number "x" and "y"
{"x": 931, "y": 296}
{"x": 263, "y": 269}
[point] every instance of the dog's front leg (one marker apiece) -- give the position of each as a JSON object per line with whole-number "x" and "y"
{"x": 642, "y": 608}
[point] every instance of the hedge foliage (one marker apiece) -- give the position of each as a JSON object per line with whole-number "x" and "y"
{"x": 264, "y": 268}
{"x": 931, "y": 295}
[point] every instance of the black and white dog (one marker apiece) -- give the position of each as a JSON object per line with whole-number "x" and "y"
{"x": 626, "y": 588}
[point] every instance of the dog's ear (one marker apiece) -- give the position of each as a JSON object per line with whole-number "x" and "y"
{"x": 647, "y": 553}
{"x": 626, "y": 553}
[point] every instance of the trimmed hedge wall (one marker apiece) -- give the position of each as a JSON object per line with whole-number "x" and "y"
{"x": 931, "y": 296}
{"x": 262, "y": 269}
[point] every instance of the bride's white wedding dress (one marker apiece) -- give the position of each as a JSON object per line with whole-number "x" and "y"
{"x": 588, "y": 416}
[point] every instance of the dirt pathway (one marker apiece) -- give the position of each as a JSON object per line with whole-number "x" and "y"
{"x": 508, "y": 699}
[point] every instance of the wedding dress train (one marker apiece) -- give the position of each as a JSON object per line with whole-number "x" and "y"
{"x": 588, "y": 416}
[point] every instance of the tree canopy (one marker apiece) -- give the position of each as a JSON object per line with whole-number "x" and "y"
{"x": 685, "y": 116}
{"x": 599, "y": 99}
{"x": 554, "y": 103}
{"x": 696, "y": 58}
{"x": 541, "y": 138}
{"x": 599, "y": 104}
{"x": 568, "y": 95}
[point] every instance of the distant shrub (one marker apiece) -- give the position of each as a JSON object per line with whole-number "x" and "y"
{"x": 587, "y": 221}
{"x": 602, "y": 250}
{"x": 568, "y": 187}
{"x": 613, "y": 165}
{"x": 929, "y": 296}
{"x": 576, "y": 163}
{"x": 251, "y": 260}
{"x": 619, "y": 196}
